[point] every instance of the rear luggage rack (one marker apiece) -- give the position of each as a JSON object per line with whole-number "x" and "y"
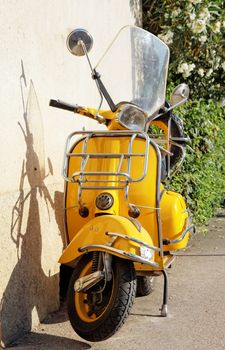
{"x": 110, "y": 179}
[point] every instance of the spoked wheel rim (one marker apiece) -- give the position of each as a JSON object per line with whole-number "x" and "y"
{"x": 82, "y": 300}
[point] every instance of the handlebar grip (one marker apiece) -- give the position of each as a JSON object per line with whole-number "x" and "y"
{"x": 62, "y": 105}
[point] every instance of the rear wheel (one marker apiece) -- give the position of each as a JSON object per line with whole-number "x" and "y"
{"x": 145, "y": 285}
{"x": 100, "y": 311}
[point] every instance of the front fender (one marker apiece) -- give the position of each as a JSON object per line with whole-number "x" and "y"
{"x": 95, "y": 233}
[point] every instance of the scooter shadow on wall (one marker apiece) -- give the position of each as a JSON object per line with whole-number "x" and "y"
{"x": 25, "y": 296}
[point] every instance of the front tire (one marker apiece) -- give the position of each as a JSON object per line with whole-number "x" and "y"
{"x": 97, "y": 318}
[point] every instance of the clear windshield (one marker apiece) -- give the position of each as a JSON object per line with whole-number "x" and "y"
{"x": 134, "y": 69}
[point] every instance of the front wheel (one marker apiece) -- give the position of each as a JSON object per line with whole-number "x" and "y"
{"x": 100, "y": 311}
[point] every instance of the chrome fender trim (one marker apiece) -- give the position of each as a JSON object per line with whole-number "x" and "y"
{"x": 115, "y": 234}
{"x": 133, "y": 257}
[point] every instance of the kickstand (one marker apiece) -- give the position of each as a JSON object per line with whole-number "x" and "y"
{"x": 164, "y": 310}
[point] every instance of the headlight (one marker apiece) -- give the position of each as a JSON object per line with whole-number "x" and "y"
{"x": 132, "y": 117}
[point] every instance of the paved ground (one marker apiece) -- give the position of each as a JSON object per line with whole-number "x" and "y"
{"x": 196, "y": 308}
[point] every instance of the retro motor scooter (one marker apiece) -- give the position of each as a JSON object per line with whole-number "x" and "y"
{"x": 122, "y": 224}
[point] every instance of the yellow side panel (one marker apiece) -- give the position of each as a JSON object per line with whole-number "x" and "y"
{"x": 174, "y": 217}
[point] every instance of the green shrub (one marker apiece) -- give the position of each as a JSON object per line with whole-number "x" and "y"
{"x": 202, "y": 177}
{"x": 194, "y": 30}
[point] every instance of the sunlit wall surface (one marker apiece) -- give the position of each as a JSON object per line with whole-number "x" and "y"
{"x": 36, "y": 66}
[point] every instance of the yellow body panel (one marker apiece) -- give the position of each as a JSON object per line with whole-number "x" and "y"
{"x": 174, "y": 217}
{"x": 80, "y": 230}
{"x": 142, "y": 193}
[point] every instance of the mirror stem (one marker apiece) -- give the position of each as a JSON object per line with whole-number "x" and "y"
{"x": 96, "y": 76}
{"x": 150, "y": 118}
{"x": 93, "y": 74}
{"x": 101, "y": 88}
{"x": 86, "y": 54}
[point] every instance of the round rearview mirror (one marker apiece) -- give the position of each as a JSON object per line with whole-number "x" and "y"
{"x": 76, "y": 39}
{"x": 180, "y": 94}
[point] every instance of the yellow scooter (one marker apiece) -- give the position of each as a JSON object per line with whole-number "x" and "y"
{"x": 122, "y": 224}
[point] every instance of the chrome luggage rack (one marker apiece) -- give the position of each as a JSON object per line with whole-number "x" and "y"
{"x": 116, "y": 179}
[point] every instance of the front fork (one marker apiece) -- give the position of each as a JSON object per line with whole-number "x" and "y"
{"x": 101, "y": 268}
{"x": 107, "y": 259}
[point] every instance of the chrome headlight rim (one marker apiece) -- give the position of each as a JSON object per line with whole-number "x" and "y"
{"x": 131, "y": 126}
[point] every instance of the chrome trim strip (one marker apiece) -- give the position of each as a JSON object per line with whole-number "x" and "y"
{"x": 178, "y": 165}
{"x": 165, "y": 150}
{"x": 102, "y": 187}
{"x": 108, "y": 173}
{"x": 135, "y": 222}
{"x": 169, "y": 262}
{"x": 133, "y": 257}
{"x": 143, "y": 206}
{"x": 132, "y": 239}
{"x": 185, "y": 139}
{"x": 158, "y": 196}
{"x": 106, "y": 155}
{"x": 168, "y": 143}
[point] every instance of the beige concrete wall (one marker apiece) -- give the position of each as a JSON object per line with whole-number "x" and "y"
{"x": 36, "y": 66}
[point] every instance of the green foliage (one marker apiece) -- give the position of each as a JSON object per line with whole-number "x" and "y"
{"x": 202, "y": 179}
{"x": 194, "y": 30}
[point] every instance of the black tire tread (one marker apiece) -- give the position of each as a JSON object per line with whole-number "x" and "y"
{"x": 120, "y": 308}
{"x": 145, "y": 286}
